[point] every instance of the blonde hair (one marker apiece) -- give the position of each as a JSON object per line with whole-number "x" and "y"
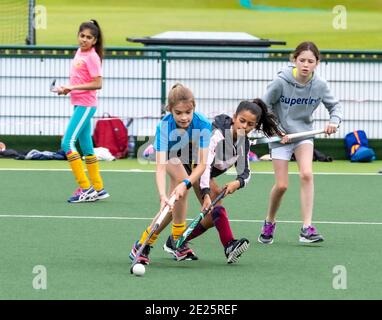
{"x": 179, "y": 93}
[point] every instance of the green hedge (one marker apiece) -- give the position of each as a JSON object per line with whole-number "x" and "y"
{"x": 331, "y": 147}
{"x": 26, "y": 143}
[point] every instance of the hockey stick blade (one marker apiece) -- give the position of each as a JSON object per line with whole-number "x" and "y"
{"x": 158, "y": 222}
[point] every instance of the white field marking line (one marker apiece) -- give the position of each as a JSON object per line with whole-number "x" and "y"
{"x": 25, "y": 216}
{"x": 228, "y": 173}
{"x": 316, "y": 173}
{"x": 315, "y": 222}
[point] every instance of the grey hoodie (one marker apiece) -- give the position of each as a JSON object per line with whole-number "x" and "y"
{"x": 294, "y": 103}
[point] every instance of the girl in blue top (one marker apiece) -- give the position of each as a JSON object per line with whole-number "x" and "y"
{"x": 182, "y": 138}
{"x": 229, "y": 148}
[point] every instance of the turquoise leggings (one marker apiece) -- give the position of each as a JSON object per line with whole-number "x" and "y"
{"x": 79, "y": 128}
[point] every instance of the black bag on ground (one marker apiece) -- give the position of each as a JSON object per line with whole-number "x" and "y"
{"x": 317, "y": 156}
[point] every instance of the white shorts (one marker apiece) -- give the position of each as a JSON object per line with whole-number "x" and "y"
{"x": 285, "y": 151}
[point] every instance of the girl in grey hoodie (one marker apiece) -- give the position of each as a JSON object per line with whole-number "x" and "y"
{"x": 293, "y": 97}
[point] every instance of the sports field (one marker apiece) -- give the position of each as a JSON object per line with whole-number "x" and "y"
{"x": 84, "y": 248}
{"x": 291, "y": 21}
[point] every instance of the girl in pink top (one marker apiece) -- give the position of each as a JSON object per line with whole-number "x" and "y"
{"x": 85, "y": 79}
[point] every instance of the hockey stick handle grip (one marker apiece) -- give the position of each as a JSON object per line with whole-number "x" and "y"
{"x": 290, "y": 135}
{"x": 165, "y": 210}
{"x": 305, "y": 134}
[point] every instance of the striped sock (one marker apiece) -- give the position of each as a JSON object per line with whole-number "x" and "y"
{"x": 77, "y": 166}
{"x": 177, "y": 230}
{"x": 93, "y": 170}
{"x": 221, "y": 222}
{"x": 145, "y": 234}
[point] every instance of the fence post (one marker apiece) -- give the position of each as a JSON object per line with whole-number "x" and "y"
{"x": 163, "y": 58}
{"x": 31, "y": 39}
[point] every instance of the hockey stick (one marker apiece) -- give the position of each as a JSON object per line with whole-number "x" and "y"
{"x": 291, "y": 136}
{"x": 200, "y": 216}
{"x": 158, "y": 221}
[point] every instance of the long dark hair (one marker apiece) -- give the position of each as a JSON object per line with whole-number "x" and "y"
{"x": 266, "y": 121}
{"x": 96, "y": 32}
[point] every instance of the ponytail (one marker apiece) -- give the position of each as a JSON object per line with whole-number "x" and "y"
{"x": 95, "y": 30}
{"x": 268, "y": 122}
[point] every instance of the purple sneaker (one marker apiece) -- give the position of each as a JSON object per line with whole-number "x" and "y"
{"x": 310, "y": 234}
{"x": 266, "y": 236}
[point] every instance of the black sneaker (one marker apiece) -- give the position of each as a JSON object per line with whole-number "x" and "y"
{"x": 169, "y": 246}
{"x": 235, "y": 248}
{"x": 182, "y": 253}
{"x": 309, "y": 235}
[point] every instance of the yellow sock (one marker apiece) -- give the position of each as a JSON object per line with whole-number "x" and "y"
{"x": 77, "y": 166}
{"x": 177, "y": 230}
{"x": 93, "y": 170}
{"x": 145, "y": 234}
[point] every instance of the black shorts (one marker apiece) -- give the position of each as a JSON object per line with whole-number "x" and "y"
{"x": 186, "y": 156}
{"x": 188, "y": 167}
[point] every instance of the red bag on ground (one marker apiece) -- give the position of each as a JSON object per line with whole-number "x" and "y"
{"x": 111, "y": 133}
